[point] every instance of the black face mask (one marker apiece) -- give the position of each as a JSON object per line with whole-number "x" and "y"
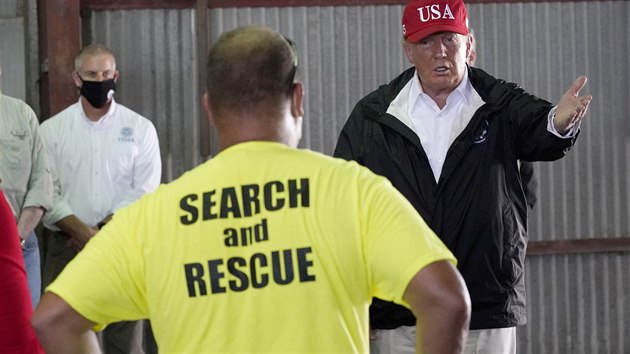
{"x": 96, "y": 92}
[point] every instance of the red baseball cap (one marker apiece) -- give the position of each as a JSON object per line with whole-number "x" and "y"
{"x": 423, "y": 18}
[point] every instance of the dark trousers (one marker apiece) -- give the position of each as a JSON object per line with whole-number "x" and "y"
{"x": 117, "y": 338}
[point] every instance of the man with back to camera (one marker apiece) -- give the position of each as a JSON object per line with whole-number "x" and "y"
{"x": 263, "y": 248}
{"x": 102, "y": 156}
{"x": 449, "y": 137}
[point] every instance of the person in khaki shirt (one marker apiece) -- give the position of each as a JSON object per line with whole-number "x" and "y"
{"x": 25, "y": 180}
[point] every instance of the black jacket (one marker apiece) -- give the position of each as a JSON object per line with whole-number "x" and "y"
{"x": 478, "y": 207}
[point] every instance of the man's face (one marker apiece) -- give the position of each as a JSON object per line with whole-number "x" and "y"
{"x": 98, "y": 68}
{"x": 440, "y": 60}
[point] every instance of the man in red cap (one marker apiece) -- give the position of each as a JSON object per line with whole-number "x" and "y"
{"x": 449, "y": 137}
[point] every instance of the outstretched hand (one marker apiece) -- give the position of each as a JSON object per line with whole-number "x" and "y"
{"x": 571, "y": 107}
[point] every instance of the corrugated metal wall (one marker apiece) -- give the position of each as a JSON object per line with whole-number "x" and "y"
{"x": 19, "y": 51}
{"x": 545, "y": 46}
{"x": 345, "y": 52}
{"x": 10, "y": 8}
{"x": 12, "y": 54}
{"x": 577, "y": 303}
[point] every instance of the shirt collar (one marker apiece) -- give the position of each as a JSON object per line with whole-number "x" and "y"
{"x": 463, "y": 90}
{"x": 109, "y": 113}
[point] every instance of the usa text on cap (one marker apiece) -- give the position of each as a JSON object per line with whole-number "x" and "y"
{"x": 422, "y": 18}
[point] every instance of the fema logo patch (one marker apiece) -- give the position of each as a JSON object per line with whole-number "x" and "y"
{"x": 126, "y": 135}
{"x": 483, "y": 134}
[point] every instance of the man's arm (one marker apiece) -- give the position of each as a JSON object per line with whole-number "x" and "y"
{"x": 530, "y": 183}
{"x": 439, "y": 299}
{"x": 39, "y": 196}
{"x": 79, "y": 232}
{"x": 147, "y": 169}
{"x": 29, "y": 218}
{"x": 60, "y": 208}
{"x": 61, "y": 329}
{"x": 148, "y": 164}
{"x": 61, "y": 215}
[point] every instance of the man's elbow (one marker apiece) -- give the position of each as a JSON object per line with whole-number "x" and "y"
{"x": 455, "y": 300}
{"x": 49, "y": 316}
{"x": 458, "y": 305}
{"x": 41, "y": 323}
{"x": 440, "y": 291}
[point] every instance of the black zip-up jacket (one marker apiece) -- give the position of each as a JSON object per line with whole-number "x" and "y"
{"x": 477, "y": 207}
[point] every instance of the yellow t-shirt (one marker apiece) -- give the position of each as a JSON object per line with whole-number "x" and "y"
{"x": 263, "y": 248}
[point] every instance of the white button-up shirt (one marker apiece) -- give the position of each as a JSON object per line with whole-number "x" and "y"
{"x": 438, "y": 128}
{"x": 99, "y": 167}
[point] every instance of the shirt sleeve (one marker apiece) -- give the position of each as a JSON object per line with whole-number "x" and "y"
{"x": 60, "y": 208}
{"x": 398, "y": 244}
{"x": 115, "y": 255}
{"x": 40, "y": 188}
{"x": 147, "y": 169}
{"x": 552, "y": 128}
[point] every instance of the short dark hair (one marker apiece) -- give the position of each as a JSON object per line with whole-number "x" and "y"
{"x": 91, "y": 50}
{"x": 250, "y": 67}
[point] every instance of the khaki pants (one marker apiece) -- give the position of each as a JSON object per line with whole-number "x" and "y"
{"x": 117, "y": 338}
{"x": 402, "y": 340}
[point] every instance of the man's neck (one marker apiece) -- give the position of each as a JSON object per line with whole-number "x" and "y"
{"x": 440, "y": 95}
{"x": 93, "y": 113}
{"x": 242, "y": 129}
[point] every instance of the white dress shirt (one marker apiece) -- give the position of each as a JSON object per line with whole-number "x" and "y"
{"x": 99, "y": 167}
{"x": 438, "y": 128}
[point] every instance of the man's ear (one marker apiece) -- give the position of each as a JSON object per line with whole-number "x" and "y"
{"x": 407, "y": 50}
{"x": 77, "y": 80}
{"x": 205, "y": 100}
{"x": 471, "y": 55}
{"x": 116, "y": 76}
{"x": 297, "y": 100}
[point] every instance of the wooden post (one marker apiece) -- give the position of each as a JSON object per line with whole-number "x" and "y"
{"x": 59, "y": 43}
{"x": 201, "y": 26}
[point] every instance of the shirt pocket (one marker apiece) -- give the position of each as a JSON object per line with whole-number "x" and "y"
{"x": 15, "y": 152}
